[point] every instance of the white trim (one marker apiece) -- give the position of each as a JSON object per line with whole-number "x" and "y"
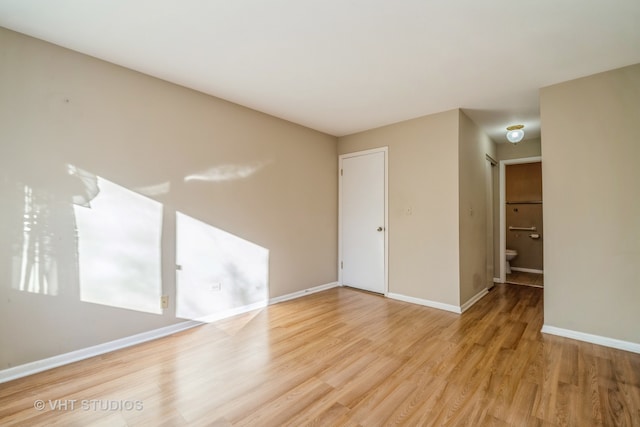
{"x": 490, "y": 247}
{"x": 497, "y": 280}
{"x": 594, "y": 339}
{"x": 524, "y": 284}
{"x": 96, "y": 350}
{"x": 364, "y": 152}
{"x": 341, "y": 157}
{"x": 477, "y": 297}
{"x": 304, "y": 292}
{"x": 527, "y": 270}
{"x": 386, "y": 221}
{"x": 425, "y": 302}
{"x": 232, "y": 312}
{"x": 503, "y": 236}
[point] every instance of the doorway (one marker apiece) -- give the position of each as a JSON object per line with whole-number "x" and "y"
{"x": 363, "y": 220}
{"x": 490, "y": 164}
{"x": 521, "y": 221}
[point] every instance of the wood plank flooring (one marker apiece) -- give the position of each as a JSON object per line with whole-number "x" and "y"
{"x": 346, "y": 358}
{"x": 525, "y": 278}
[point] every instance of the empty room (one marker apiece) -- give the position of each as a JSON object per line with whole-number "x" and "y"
{"x": 327, "y": 213}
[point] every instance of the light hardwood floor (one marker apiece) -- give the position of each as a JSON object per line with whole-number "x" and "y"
{"x": 344, "y": 357}
{"x": 524, "y": 278}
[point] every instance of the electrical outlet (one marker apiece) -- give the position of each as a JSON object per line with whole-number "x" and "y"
{"x": 164, "y": 301}
{"x": 215, "y": 287}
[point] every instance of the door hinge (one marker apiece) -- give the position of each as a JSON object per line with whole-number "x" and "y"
{"x": 341, "y": 171}
{"x": 341, "y": 266}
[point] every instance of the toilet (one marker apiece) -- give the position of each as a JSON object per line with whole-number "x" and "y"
{"x": 509, "y": 255}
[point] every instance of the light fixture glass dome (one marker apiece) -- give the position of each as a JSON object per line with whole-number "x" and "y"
{"x": 515, "y": 133}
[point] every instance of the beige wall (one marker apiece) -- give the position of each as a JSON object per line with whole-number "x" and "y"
{"x": 526, "y": 148}
{"x": 591, "y": 206}
{"x": 474, "y": 146}
{"x": 437, "y": 169}
{"x": 59, "y": 107}
{"x": 423, "y": 176}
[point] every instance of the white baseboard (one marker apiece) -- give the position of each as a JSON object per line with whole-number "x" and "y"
{"x": 425, "y": 302}
{"x": 302, "y": 293}
{"x": 593, "y": 339}
{"x": 467, "y": 305}
{"x": 232, "y": 312}
{"x": 527, "y": 270}
{"x": 440, "y": 305}
{"x": 262, "y": 304}
{"x": 96, "y": 350}
{"x": 497, "y": 280}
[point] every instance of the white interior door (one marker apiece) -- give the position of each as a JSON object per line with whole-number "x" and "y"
{"x": 363, "y": 225}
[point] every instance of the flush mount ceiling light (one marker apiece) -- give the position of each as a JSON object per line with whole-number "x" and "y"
{"x": 515, "y": 133}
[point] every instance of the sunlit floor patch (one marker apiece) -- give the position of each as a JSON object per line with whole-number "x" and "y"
{"x": 231, "y": 326}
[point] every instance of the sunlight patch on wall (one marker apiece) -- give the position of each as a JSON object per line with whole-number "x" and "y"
{"x": 34, "y": 262}
{"x": 218, "y": 272}
{"x": 119, "y": 238}
{"x": 155, "y": 190}
{"x": 224, "y": 173}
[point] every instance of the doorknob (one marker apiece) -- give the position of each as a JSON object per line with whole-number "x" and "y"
{"x": 380, "y": 228}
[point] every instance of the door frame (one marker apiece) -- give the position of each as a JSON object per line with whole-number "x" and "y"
{"x": 503, "y": 207}
{"x": 490, "y": 168}
{"x": 341, "y": 158}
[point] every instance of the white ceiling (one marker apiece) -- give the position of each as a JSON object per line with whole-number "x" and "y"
{"x": 342, "y": 66}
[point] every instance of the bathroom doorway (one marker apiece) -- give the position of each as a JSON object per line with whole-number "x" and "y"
{"x": 521, "y": 222}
